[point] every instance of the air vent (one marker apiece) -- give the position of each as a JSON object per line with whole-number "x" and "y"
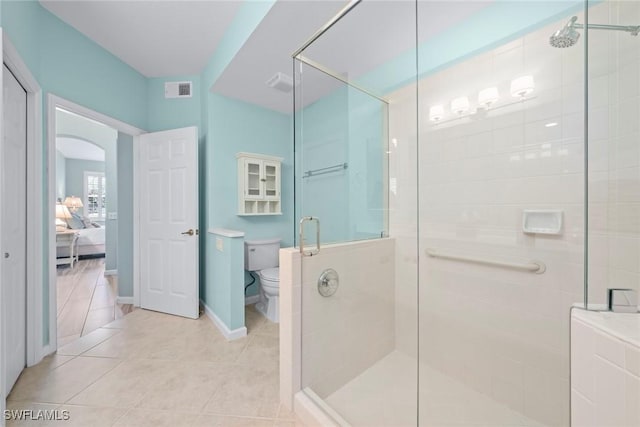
{"x": 177, "y": 90}
{"x": 281, "y": 82}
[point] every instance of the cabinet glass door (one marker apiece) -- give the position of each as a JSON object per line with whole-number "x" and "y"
{"x": 253, "y": 179}
{"x": 270, "y": 180}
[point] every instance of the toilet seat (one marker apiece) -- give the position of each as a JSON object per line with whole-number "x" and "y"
{"x": 270, "y": 275}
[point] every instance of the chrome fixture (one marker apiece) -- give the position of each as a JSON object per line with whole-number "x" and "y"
{"x": 623, "y": 300}
{"x": 328, "y": 282}
{"x": 567, "y": 36}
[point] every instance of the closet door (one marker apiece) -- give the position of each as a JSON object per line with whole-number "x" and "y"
{"x": 14, "y": 227}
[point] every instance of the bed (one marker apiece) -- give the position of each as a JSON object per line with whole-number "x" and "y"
{"x": 91, "y": 241}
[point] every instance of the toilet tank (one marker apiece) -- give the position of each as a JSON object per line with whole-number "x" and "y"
{"x": 261, "y": 254}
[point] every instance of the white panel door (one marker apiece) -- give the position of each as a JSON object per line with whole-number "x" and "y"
{"x": 168, "y": 171}
{"x": 14, "y": 227}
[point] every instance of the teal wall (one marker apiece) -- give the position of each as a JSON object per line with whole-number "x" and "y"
{"x": 74, "y": 176}
{"x": 244, "y": 23}
{"x": 125, "y": 215}
{"x": 346, "y": 126}
{"x": 70, "y": 65}
{"x": 241, "y": 127}
{"x": 225, "y": 294}
{"x": 60, "y": 176}
{"x": 163, "y": 113}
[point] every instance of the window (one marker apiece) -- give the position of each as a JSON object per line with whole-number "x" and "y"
{"x": 95, "y": 195}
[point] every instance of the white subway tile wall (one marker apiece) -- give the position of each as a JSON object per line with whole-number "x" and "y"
{"x": 348, "y": 332}
{"x": 605, "y": 385}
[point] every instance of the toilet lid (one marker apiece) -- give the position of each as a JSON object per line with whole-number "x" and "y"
{"x": 271, "y": 274}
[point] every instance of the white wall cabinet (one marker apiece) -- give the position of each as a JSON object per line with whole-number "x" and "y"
{"x": 258, "y": 184}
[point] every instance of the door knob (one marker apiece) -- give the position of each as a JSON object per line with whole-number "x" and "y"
{"x": 6, "y": 255}
{"x": 189, "y": 232}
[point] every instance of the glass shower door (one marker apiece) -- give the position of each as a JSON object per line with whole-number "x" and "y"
{"x": 359, "y": 281}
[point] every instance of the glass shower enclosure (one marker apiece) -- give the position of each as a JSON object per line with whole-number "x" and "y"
{"x": 458, "y": 167}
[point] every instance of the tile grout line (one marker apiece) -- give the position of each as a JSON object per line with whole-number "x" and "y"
{"x": 93, "y": 292}
{"x": 94, "y": 381}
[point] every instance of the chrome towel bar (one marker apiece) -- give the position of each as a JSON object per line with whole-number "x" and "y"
{"x": 534, "y": 266}
{"x": 329, "y": 169}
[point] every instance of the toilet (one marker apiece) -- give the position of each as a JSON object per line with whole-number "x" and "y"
{"x": 262, "y": 256}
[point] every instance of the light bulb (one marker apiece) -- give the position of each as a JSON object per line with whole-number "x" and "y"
{"x": 522, "y": 86}
{"x": 460, "y": 105}
{"x": 488, "y": 96}
{"x": 436, "y": 113}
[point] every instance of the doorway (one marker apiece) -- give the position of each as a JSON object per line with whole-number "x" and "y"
{"x": 89, "y": 201}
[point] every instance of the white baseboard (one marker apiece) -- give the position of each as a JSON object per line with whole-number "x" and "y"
{"x": 111, "y": 272}
{"x": 124, "y": 300}
{"x": 251, "y": 300}
{"x": 47, "y": 350}
{"x": 228, "y": 334}
{"x": 314, "y": 412}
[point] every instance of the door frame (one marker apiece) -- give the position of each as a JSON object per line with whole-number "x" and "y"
{"x": 54, "y": 101}
{"x": 35, "y": 208}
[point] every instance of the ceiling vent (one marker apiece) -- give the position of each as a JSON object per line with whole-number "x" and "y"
{"x": 281, "y": 82}
{"x": 177, "y": 90}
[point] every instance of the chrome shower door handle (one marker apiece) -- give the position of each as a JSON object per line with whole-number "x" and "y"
{"x": 301, "y": 236}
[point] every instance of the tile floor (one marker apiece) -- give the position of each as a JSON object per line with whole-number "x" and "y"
{"x": 152, "y": 369}
{"x": 86, "y": 299}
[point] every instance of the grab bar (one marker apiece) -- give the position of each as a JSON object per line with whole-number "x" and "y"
{"x": 534, "y": 266}
{"x": 329, "y": 169}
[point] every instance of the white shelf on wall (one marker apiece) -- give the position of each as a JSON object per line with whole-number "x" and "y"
{"x": 258, "y": 184}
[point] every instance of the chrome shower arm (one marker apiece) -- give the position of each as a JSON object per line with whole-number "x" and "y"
{"x": 633, "y": 29}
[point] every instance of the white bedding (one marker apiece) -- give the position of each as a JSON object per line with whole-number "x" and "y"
{"x": 90, "y": 242}
{"x": 91, "y": 236}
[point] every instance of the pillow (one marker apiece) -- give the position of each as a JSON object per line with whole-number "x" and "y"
{"x": 75, "y": 222}
{"x": 87, "y": 222}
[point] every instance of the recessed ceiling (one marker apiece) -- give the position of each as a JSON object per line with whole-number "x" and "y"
{"x": 73, "y": 148}
{"x": 159, "y": 38}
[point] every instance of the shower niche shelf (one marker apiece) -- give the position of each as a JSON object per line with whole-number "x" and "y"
{"x": 258, "y": 184}
{"x": 542, "y": 221}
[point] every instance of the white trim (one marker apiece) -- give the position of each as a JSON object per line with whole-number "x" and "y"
{"x": 136, "y": 223}
{"x": 124, "y": 300}
{"x": 314, "y": 412}
{"x": 111, "y": 273}
{"x": 94, "y": 115}
{"x": 3, "y": 399}
{"x": 35, "y": 228}
{"x": 225, "y": 232}
{"x": 251, "y": 300}
{"x": 54, "y": 101}
{"x": 51, "y": 178}
{"x": 228, "y": 334}
{"x": 259, "y": 156}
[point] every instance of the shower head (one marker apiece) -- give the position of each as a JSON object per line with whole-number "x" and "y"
{"x": 566, "y": 36}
